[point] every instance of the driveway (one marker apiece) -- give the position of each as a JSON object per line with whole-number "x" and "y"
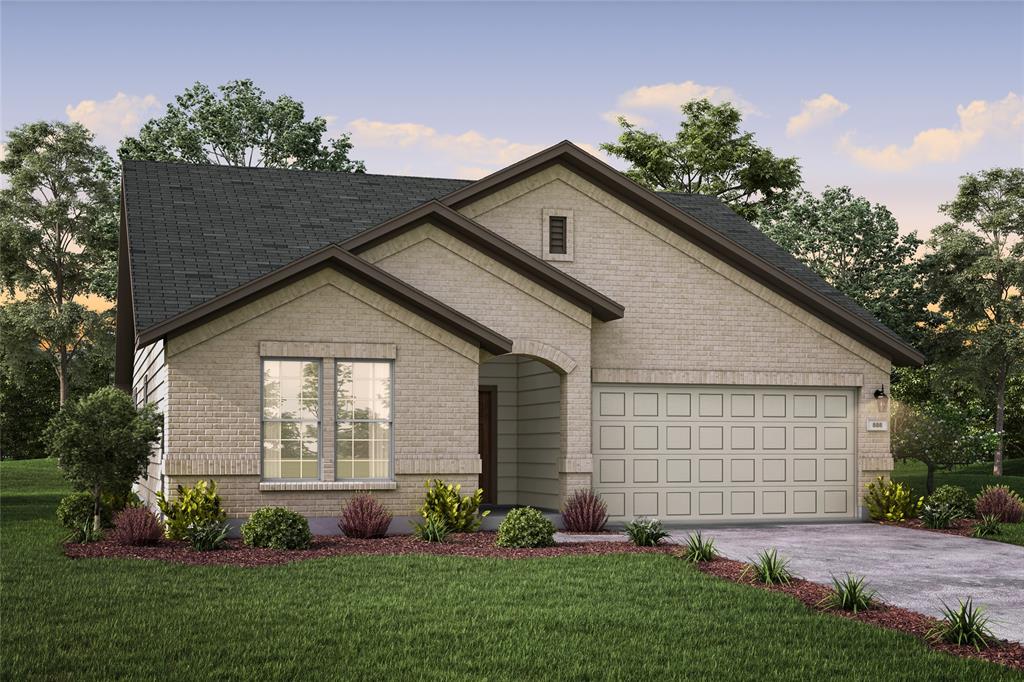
{"x": 911, "y": 568}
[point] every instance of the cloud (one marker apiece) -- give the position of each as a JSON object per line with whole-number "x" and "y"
{"x": 112, "y": 119}
{"x": 636, "y": 119}
{"x": 673, "y": 95}
{"x": 3, "y": 151}
{"x": 978, "y": 120}
{"x": 815, "y": 112}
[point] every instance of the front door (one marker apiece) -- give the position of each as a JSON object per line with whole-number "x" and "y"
{"x": 488, "y": 429}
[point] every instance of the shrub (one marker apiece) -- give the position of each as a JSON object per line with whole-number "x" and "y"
{"x": 433, "y": 529}
{"x": 102, "y": 443}
{"x": 526, "y": 527}
{"x": 198, "y": 506}
{"x": 1001, "y": 502}
{"x": 646, "y": 532}
{"x": 849, "y": 594}
{"x": 891, "y": 501}
{"x": 965, "y": 625}
{"x": 276, "y": 528}
{"x": 988, "y": 526}
{"x": 584, "y": 512}
{"x": 770, "y": 568}
{"x": 76, "y": 510}
{"x": 939, "y": 515}
{"x": 207, "y": 537}
{"x": 137, "y": 526}
{"x": 445, "y": 501}
{"x": 956, "y": 496}
{"x": 698, "y": 549}
{"x": 364, "y": 517}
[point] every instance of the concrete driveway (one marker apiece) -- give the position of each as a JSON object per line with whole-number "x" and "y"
{"x": 911, "y": 568}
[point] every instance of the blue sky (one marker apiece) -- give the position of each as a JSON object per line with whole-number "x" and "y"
{"x": 895, "y": 99}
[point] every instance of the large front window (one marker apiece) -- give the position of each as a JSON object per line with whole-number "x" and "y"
{"x": 291, "y": 419}
{"x": 362, "y": 443}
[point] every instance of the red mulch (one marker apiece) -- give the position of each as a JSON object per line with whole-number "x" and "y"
{"x": 884, "y": 615}
{"x": 962, "y": 527}
{"x": 479, "y": 544}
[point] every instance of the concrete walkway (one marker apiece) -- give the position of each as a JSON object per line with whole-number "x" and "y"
{"x": 914, "y": 569}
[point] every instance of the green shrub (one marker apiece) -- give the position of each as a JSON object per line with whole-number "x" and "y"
{"x": 770, "y": 568}
{"x": 208, "y": 537}
{"x": 526, "y": 527}
{"x": 646, "y": 532}
{"x": 446, "y": 502}
{"x": 849, "y": 594}
{"x": 939, "y": 516}
{"x": 433, "y": 529}
{"x": 276, "y": 528}
{"x": 195, "y": 507}
{"x": 76, "y": 510}
{"x": 891, "y": 501}
{"x": 965, "y": 625}
{"x": 697, "y": 549}
{"x": 956, "y": 496}
{"x": 988, "y": 526}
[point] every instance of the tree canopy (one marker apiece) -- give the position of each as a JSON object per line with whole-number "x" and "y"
{"x": 709, "y": 155}
{"x": 239, "y": 126}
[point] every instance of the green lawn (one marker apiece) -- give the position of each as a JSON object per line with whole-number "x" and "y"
{"x": 610, "y": 617}
{"x": 973, "y": 477}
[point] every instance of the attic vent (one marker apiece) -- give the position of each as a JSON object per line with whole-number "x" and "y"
{"x": 556, "y": 234}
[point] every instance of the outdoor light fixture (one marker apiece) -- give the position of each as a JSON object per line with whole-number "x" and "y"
{"x": 882, "y": 398}
{"x": 880, "y": 393}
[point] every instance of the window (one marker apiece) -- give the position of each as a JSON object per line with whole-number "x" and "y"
{"x": 291, "y": 419}
{"x": 362, "y": 441}
{"x": 556, "y": 234}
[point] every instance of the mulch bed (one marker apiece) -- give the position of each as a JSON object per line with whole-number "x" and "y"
{"x": 884, "y": 615}
{"x": 962, "y": 527}
{"x": 480, "y": 544}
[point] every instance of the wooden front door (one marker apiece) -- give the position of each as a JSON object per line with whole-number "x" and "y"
{"x": 488, "y": 430}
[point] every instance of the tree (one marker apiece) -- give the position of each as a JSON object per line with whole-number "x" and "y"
{"x": 103, "y": 442}
{"x": 941, "y": 435}
{"x": 58, "y": 234}
{"x": 976, "y": 271}
{"x": 856, "y": 247}
{"x": 240, "y": 127}
{"x": 709, "y": 155}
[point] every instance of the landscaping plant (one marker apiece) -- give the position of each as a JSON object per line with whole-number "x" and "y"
{"x": 76, "y": 511}
{"x": 849, "y": 594}
{"x": 103, "y": 443}
{"x": 955, "y": 496}
{"x": 137, "y": 526}
{"x": 364, "y": 517}
{"x": 208, "y": 536}
{"x": 988, "y": 526}
{"x": 965, "y": 625}
{"x": 999, "y": 501}
{"x": 698, "y": 549}
{"x": 433, "y": 529}
{"x": 770, "y": 568}
{"x": 276, "y": 528}
{"x": 584, "y": 512}
{"x": 445, "y": 501}
{"x": 891, "y": 501}
{"x": 646, "y": 532}
{"x": 525, "y": 527}
{"x": 939, "y": 516}
{"x": 194, "y": 507}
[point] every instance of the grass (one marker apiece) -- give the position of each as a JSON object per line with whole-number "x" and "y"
{"x": 607, "y": 617}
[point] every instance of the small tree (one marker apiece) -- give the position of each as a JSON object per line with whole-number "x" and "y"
{"x": 103, "y": 442}
{"x": 941, "y": 436}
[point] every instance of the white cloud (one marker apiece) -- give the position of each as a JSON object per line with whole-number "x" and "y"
{"x": 112, "y": 119}
{"x": 3, "y": 151}
{"x": 636, "y": 119}
{"x": 673, "y": 95}
{"x": 815, "y": 112}
{"x": 978, "y": 120}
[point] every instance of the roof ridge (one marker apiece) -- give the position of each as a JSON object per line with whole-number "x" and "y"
{"x": 223, "y": 166}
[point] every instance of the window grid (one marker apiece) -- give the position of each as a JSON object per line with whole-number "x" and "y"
{"x": 290, "y": 406}
{"x": 363, "y": 420}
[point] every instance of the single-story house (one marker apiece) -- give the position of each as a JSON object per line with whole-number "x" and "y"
{"x": 553, "y": 326}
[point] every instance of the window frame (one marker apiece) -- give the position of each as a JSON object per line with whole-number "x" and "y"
{"x": 390, "y": 362}
{"x": 319, "y": 422}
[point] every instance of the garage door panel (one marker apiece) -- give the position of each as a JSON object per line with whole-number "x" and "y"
{"x": 724, "y": 452}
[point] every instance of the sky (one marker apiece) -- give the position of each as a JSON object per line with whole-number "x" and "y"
{"x": 896, "y": 100}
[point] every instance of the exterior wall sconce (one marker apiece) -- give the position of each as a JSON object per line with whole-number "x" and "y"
{"x": 882, "y": 399}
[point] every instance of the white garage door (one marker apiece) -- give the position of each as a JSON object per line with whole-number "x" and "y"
{"x": 724, "y": 453}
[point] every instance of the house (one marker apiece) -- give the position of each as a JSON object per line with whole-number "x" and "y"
{"x": 550, "y": 327}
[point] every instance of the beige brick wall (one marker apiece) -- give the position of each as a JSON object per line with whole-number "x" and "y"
{"x": 690, "y": 318}
{"x": 214, "y": 372}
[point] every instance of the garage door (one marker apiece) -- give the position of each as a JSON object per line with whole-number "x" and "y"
{"x": 724, "y": 453}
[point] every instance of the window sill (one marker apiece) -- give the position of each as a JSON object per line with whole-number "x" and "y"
{"x": 278, "y": 486}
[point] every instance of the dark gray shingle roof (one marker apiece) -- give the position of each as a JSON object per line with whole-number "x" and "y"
{"x": 199, "y": 231}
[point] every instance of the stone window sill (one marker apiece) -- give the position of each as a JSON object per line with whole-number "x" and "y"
{"x": 278, "y": 486}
